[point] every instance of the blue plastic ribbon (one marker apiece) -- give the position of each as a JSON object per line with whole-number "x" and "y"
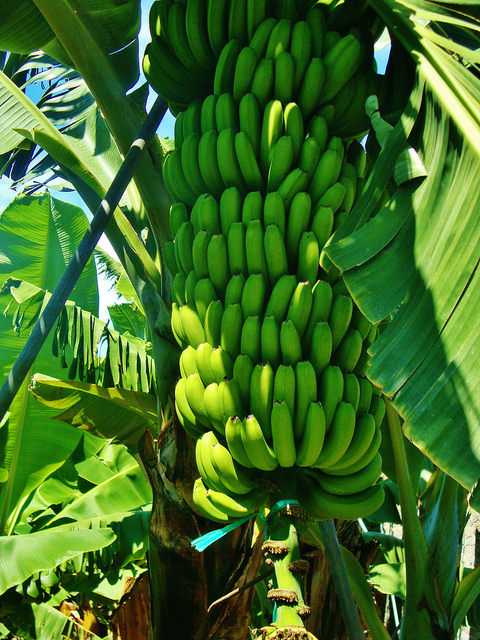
{"x": 202, "y": 542}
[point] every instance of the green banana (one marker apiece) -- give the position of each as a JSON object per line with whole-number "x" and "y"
{"x": 252, "y": 207}
{"x": 214, "y": 406}
{"x": 194, "y": 392}
{"x": 270, "y": 341}
{"x": 231, "y": 400}
{"x": 362, "y": 439}
{"x": 263, "y": 81}
{"x": 175, "y": 180}
{"x": 316, "y": 21}
{"x": 234, "y": 507}
{"x": 362, "y": 462}
{"x": 221, "y": 364}
{"x": 234, "y": 441}
{"x": 321, "y": 347}
{"x": 366, "y": 392}
{"x": 244, "y": 70}
{"x": 177, "y": 38}
{"x": 208, "y": 163}
{"x": 188, "y": 362}
{"x": 305, "y": 393}
{"x": 340, "y": 316}
{"x": 208, "y": 119}
{"x": 233, "y": 477}
{"x": 177, "y": 329}
{"x": 184, "y": 244}
{"x": 351, "y": 390}
{"x": 229, "y": 167}
{"x": 178, "y": 214}
{"x": 282, "y": 158}
{"x": 326, "y": 174}
{"x": 300, "y": 307}
{"x": 333, "y": 198}
{"x": 178, "y": 128}
{"x": 203, "y": 357}
{"x": 204, "y": 294}
{"x": 203, "y": 458}
{"x": 310, "y": 153}
{"x": 234, "y": 290}
{"x": 237, "y": 20}
{"x": 217, "y": 259}
{"x": 318, "y": 129}
{"x": 297, "y": 223}
{"x": 354, "y": 483}
{"x": 296, "y": 182}
{"x": 284, "y": 386}
{"x": 196, "y": 27}
{"x": 249, "y": 118}
{"x": 204, "y": 506}
{"x": 260, "y": 38}
{"x": 322, "y": 224}
{"x": 253, "y": 297}
{"x": 274, "y": 211}
{"x": 272, "y": 129}
{"x": 260, "y": 454}
{"x": 311, "y": 91}
{"x": 199, "y": 253}
{"x": 282, "y": 434}
{"x": 212, "y": 322}
{"x": 225, "y": 69}
{"x": 237, "y": 257}
{"x": 377, "y": 409}
{"x": 191, "y": 325}
{"x": 231, "y": 329}
{"x": 184, "y": 409}
{"x": 330, "y": 391}
{"x": 313, "y": 437}
{"x": 242, "y": 372}
{"x": 256, "y": 14}
{"x": 217, "y": 19}
{"x": 341, "y": 63}
{"x": 279, "y": 300}
{"x": 322, "y": 505}
{"x": 247, "y": 162}
{"x": 279, "y": 39}
{"x": 178, "y": 288}
{"x": 261, "y": 396}
{"x": 190, "y": 283}
{"x": 254, "y": 248}
{"x": 294, "y": 126}
{"x": 308, "y": 257}
{"x": 321, "y": 305}
{"x": 339, "y": 436}
{"x": 275, "y": 253}
{"x": 301, "y": 49}
{"x": 230, "y": 209}
{"x": 250, "y": 343}
{"x": 283, "y": 78}
{"x": 226, "y": 112}
{"x": 290, "y": 344}
{"x": 349, "y": 350}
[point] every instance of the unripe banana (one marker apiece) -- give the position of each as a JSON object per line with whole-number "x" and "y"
{"x": 203, "y": 356}
{"x": 178, "y": 129}
{"x": 204, "y": 506}
{"x": 272, "y": 129}
{"x": 282, "y": 434}
{"x": 294, "y": 126}
{"x": 313, "y": 437}
{"x": 277, "y": 305}
{"x": 316, "y": 21}
{"x": 190, "y": 283}
{"x": 261, "y": 396}
{"x": 360, "y": 322}
{"x": 279, "y": 39}
{"x": 230, "y": 209}
{"x": 185, "y": 411}
{"x": 191, "y": 325}
{"x": 296, "y": 182}
{"x": 230, "y": 399}
{"x": 221, "y": 364}
{"x": 190, "y": 165}
{"x": 301, "y": 48}
{"x": 326, "y": 174}
{"x": 242, "y": 372}
{"x": 308, "y": 257}
{"x": 339, "y": 436}
{"x": 169, "y": 257}
{"x": 194, "y": 392}
{"x": 192, "y": 120}
{"x": 217, "y": 259}
{"x": 234, "y": 441}
{"x": 341, "y": 63}
{"x": 297, "y": 223}
{"x": 225, "y": 69}
{"x": 250, "y": 120}
{"x": 282, "y": 157}
{"x": 256, "y": 14}
{"x": 188, "y": 362}
{"x": 253, "y": 297}
{"x": 177, "y": 328}
{"x": 333, "y": 198}
{"x": 228, "y": 166}
{"x": 204, "y": 294}
{"x": 310, "y": 153}
{"x": 208, "y": 163}
{"x": 237, "y": 257}
{"x": 319, "y": 130}
{"x": 237, "y": 20}
{"x": 212, "y": 322}
{"x": 175, "y": 180}
{"x": 322, "y": 224}
{"x": 260, "y": 454}
{"x": 233, "y": 477}
{"x": 284, "y": 386}
{"x": 250, "y": 343}
{"x": 354, "y": 483}
{"x": 252, "y": 207}
{"x": 260, "y": 38}
{"x": 377, "y": 409}
{"x": 270, "y": 341}
{"x": 196, "y": 27}
{"x": 207, "y": 114}
{"x": 274, "y": 211}
{"x": 330, "y": 392}
{"x": 321, "y": 347}
{"x": 351, "y": 390}
{"x": 263, "y": 82}
{"x": 321, "y": 306}
{"x": 290, "y": 345}
{"x": 199, "y": 253}
{"x": 248, "y": 162}
{"x": 305, "y": 394}
{"x": 234, "y": 508}
{"x": 366, "y": 393}
{"x": 362, "y": 439}
{"x": 234, "y": 290}
{"x": 245, "y": 68}
{"x": 275, "y": 253}
{"x": 340, "y": 316}
{"x": 362, "y": 462}
{"x": 231, "y": 329}
{"x": 300, "y": 307}
{"x": 178, "y": 214}
{"x": 311, "y": 92}
{"x": 217, "y": 17}
{"x": 349, "y": 350}
{"x": 284, "y": 77}
{"x": 178, "y": 288}
{"x": 226, "y": 113}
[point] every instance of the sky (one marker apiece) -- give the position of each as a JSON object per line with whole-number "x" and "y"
{"x": 107, "y": 295}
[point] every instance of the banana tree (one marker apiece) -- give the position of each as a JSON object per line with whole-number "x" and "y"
{"x": 419, "y": 234}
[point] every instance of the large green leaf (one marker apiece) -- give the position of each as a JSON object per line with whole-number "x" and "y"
{"x": 117, "y": 414}
{"x": 37, "y": 238}
{"x": 22, "y": 556}
{"x": 418, "y": 258}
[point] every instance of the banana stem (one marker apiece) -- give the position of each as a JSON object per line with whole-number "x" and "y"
{"x": 340, "y": 578}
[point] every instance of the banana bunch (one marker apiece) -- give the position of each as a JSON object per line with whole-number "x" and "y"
{"x": 274, "y": 352}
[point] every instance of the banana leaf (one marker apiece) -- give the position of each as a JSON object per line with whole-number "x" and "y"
{"x": 425, "y": 272}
